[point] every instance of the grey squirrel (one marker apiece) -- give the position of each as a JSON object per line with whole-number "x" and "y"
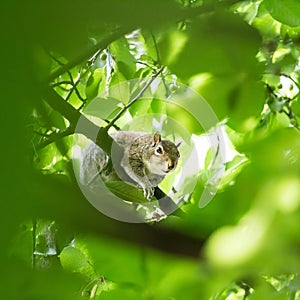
{"x": 145, "y": 159}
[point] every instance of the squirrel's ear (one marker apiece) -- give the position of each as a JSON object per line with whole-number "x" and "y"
{"x": 156, "y": 138}
{"x": 178, "y": 144}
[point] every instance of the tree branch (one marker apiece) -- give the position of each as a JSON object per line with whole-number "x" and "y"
{"x": 181, "y": 14}
{"x": 89, "y": 53}
{"x": 87, "y": 128}
{"x": 61, "y": 200}
{"x": 90, "y": 130}
{"x": 55, "y": 136}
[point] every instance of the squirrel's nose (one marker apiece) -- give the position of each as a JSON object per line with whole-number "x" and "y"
{"x": 170, "y": 166}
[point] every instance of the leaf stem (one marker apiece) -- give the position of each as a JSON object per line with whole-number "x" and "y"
{"x": 159, "y": 62}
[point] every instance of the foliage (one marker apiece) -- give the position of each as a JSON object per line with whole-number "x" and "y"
{"x": 65, "y": 60}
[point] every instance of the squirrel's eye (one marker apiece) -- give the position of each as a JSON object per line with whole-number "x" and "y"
{"x": 159, "y": 150}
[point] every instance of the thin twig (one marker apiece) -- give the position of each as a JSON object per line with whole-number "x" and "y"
{"x": 55, "y": 136}
{"x": 291, "y": 116}
{"x": 144, "y": 63}
{"x": 72, "y": 82}
{"x": 159, "y": 62}
{"x": 114, "y": 126}
{"x": 44, "y": 135}
{"x": 76, "y": 92}
{"x": 81, "y": 106}
{"x": 120, "y": 32}
{"x": 60, "y": 83}
{"x": 156, "y": 48}
{"x": 290, "y": 77}
{"x": 138, "y": 96}
{"x": 75, "y": 83}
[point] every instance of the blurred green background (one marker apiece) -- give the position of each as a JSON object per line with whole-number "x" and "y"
{"x": 242, "y": 57}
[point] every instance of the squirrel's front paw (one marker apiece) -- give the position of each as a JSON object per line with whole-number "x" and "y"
{"x": 148, "y": 192}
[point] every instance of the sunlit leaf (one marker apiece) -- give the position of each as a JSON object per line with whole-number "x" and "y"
{"x": 119, "y": 88}
{"x": 102, "y": 107}
{"x": 287, "y": 12}
{"x": 221, "y": 44}
{"x": 92, "y": 86}
{"x": 140, "y": 107}
{"x": 188, "y": 121}
{"x": 45, "y": 156}
{"x": 126, "y": 191}
{"x": 126, "y": 63}
{"x": 74, "y": 260}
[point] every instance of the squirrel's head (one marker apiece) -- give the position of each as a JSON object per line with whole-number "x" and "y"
{"x": 164, "y": 156}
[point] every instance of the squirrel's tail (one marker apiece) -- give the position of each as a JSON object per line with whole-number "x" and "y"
{"x": 93, "y": 162}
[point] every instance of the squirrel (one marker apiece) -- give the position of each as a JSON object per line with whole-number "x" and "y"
{"x": 145, "y": 159}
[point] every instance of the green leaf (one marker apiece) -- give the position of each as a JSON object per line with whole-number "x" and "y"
{"x": 220, "y": 43}
{"x": 209, "y": 158}
{"x": 119, "y": 88}
{"x": 157, "y": 106}
{"x": 102, "y": 108}
{"x": 187, "y": 120}
{"x": 250, "y": 96}
{"x": 281, "y": 152}
{"x": 140, "y": 107}
{"x": 23, "y": 237}
{"x": 96, "y": 286}
{"x": 126, "y": 191}
{"x": 126, "y": 63}
{"x": 92, "y": 86}
{"x": 199, "y": 187}
{"x": 233, "y": 169}
{"x": 139, "y": 122}
{"x": 60, "y": 166}
{"x": 264, "y": 22}
{"x": 286, "y": 12}
{"x": 143, "y": 72}
{"x": 121, "y": 293}
{"x": 170, "y": 45}
{"x": 237, "y": 96}
{"x": 151, "y": 55}
{"x": 45, "y": 156}
{"x": 74, "y": 260}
